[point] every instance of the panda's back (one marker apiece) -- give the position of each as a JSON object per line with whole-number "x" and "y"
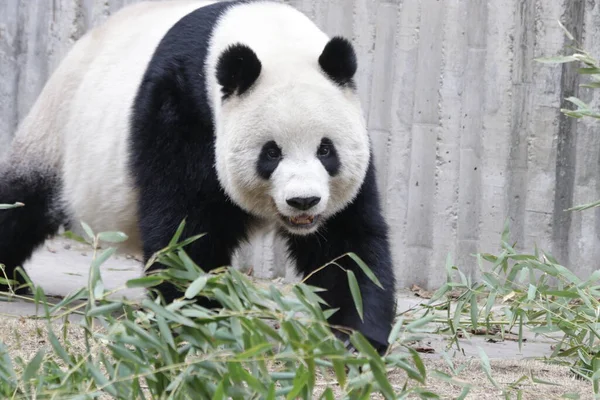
{"x": 80, "y": 122}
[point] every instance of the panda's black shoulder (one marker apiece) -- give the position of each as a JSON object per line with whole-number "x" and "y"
{"x": 185, "y": 46}
{"x": 170, "y": 119}
{"x": 173, "y": 87}
{"x": 187, "y": 41}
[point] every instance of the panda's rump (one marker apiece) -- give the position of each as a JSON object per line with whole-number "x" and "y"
{"x": 97, "y": 187}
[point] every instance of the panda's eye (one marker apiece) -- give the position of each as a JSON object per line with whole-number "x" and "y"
{"x": 324, "y": 150}
{"x": 274, "y": 153}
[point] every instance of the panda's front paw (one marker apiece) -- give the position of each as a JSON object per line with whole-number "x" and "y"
{"x": 345, "y": 339}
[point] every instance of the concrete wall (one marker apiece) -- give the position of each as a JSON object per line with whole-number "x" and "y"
{"x": 465, "y": 124}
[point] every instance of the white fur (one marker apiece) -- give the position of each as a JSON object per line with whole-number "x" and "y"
{"x": 79, "y": 123}
{"x": 293, "y": 103}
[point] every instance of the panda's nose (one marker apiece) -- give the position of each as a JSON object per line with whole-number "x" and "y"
{"x": 303, "y": 203}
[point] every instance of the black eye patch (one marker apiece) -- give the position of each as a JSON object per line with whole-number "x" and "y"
{"x": 329, "y": 157}
{"x": 268, "y": 160}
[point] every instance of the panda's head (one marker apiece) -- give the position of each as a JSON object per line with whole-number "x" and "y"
{"x": 291, "y": 143}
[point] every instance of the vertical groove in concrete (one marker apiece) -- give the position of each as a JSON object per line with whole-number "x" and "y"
{"x": 364, "y": 38}
{"x": 445, "y": 201}
{"x": 9, "y": 72}
{"x": 573, "y": 19}
{"x": 447, "y": 87}
{"x": 380, "y": 111}
{"x": 470, "y": 137}
{"x": 522, "y": 73}
{"x": 395, "y": 206}
{"x": 424, "y": 132}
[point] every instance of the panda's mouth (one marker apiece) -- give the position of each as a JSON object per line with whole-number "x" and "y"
{"x": 303, "y": 221}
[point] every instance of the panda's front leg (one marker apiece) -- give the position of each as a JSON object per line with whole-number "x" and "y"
{"x": 361, "y": 229}
{"x": 223, "y": 224}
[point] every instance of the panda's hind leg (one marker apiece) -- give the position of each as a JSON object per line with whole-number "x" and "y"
{"x": 25, "y": 228}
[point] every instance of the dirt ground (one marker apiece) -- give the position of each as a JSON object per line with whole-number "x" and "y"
{"x": 61, "y": 267}
{"x": 24, "y": 337}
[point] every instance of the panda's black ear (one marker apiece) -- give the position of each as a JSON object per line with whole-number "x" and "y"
{"x": 338, "y": 60}
{"x": 237, "y": 69}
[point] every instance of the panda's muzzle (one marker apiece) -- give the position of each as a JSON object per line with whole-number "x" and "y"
{"x": 302, "y": 221}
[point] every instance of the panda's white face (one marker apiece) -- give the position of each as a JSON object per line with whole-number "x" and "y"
{"x": 291, "y": 142}
{"x": 295, "y": 153}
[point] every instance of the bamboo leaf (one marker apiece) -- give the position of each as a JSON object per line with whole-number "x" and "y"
{"x": 34, "y": 365}
{"x": 365, "y": 269}
{"x": 196, "y": 287}
{"x": 355, "y": 291}
{"x": 112, "y": 237}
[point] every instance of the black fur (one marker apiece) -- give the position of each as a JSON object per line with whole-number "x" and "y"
{"x": 329, "y": 157}
{"x": 359, "y": 228}
{"x": 24, "y": 229}
{"x": 172, "y": 154}
{"x": 268, "y": 160}
{"x": 338, "y": 60}
{"x": 237, "y": 69}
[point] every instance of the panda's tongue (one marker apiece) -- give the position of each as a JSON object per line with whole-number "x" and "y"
{"x": 302, "y": 220}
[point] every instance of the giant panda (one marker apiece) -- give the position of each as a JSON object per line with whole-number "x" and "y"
{"x": 230, "y": 115}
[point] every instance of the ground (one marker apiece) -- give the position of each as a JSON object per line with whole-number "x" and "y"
{"x": 61, "y": 267}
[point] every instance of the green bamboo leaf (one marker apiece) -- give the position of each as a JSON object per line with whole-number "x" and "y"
{"x": 531, "y": 292}
{"x": 327, "y": 394}
{"x": 145, "y": 282}
{"x": 355, "y": 291}
{"x": 419, "y": 364}
{"x": 104, "y": 309}
{"x": 113, "y": 237}
{"x": 178, "y": 233}
{"x": 565, "y": 30}
{"x": 124, "y": 354}
{"x": 485, "y": 363}
{"x": 365, "y": 269}
{"x": 416, "y": 324}
{"x": 220, "y": 392}
{"x": 340, "y": 371}
{"x": 73, "y": 236}
{"x": 579, "y": 103}
{"x": 362, "y": 344}
{"x": 556, "y": 59}
{"x": 101, "y": 380}
{"x": 34, "y": 365}
{"x": 147, "y": 337}
{"x": 168, "y": 314}
{"x": 6, "y": 365}
{"x": 10, "y": 206}
{"x": 592, "y": 85}
{"x": 585, "y": 206}
{"x": 380, "y": 376}
{"x": 271, "y": 395}
{"x": 300, "y": 380}
{"x": 474, "y": 310}
{"x": 258, "y": 349}
{"x": 88, "y": 231}
{"x": 588, "y": 70}
{"x": 196, "y": 287}
{"x": 103, "y": 257}
{"x": 395, "y": 330}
